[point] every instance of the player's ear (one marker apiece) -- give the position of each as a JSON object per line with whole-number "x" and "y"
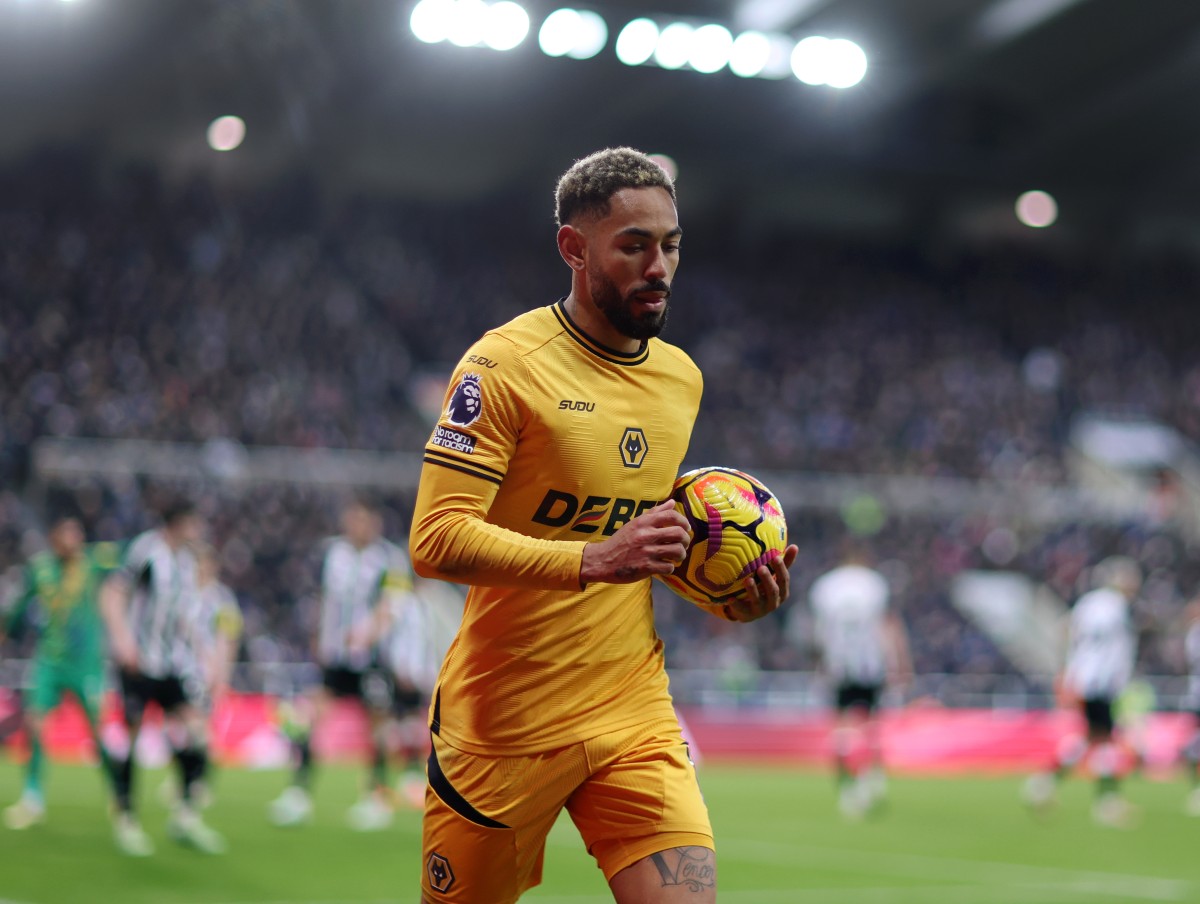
{"x": 571, "y": 245}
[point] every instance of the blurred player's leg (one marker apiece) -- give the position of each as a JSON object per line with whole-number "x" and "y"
{"x": 1041, "y": 789}
{"x": 1110, "y": 808}
{"x": 374, "y": 811}
{"x": 189, "y": 744}
{"x": 299, "y": 720}
{"x": 874, "y": 779}
{"x": 1191, "y": 762}
{"x": 411, "y": 743}
{"x": 47, "y": 691}
{"x": 30, "y": 808}
{"x": 131, "y": 839}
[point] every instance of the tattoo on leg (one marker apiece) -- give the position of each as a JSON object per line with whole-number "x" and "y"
{"x": 693, "y": 867}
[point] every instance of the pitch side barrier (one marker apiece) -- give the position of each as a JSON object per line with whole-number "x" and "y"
{"x": 920, "y": 736}
{"x": 224, "y": 462}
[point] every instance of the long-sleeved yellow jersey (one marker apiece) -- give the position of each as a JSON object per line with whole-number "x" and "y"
{"x": 548, "y": 440}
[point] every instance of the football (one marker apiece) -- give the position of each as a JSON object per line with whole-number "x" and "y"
{"x": 737, "y": 524}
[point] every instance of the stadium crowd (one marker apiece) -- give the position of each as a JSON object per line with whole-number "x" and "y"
{"x": 134, "y": 309}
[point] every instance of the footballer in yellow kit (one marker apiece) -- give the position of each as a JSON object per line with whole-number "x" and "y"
{"x": 543, "y": 489}
{"x": 567, "y": 440}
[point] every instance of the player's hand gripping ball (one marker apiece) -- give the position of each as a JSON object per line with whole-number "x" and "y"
{"x": 737, "y": 525}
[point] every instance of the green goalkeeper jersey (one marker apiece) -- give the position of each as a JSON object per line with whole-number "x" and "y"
{"x": 61, "y": 601}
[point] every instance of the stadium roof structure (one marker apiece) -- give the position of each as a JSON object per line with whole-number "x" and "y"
{"x": 965, "y": 104}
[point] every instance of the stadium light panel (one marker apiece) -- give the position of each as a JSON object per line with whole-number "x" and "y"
{"x": 711, "y": 47}
{"x": 467, "y": 23}
{"x": 1037, "y": 209}
{"x": 430, "y": 20}
{"x": 636, "y": 42}
{"x": 749, "y": 54}
{"x": 559, "y": 32}
{"x": 811, "y": 60}
{"x": 592, "y": 37}
{"x": 506, "y": 25}
{"x": 779, "y": 61}
{"x": 578, "y": 34}
{"x": 674, "y": 45}
{"x": 847, "y": 64}
{"x": 226, "y": 133}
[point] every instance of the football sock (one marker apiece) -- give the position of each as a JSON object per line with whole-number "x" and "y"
{"x": 378, "y": 765}
{"x": 193, "y": 763}
{"x": 1105, "y": 763}
{"x": 302, "y": 778}
{"x": 35, "y": 767}
{"x": 122, "y": 773}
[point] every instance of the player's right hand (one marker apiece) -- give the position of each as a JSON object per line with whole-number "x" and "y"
{"x": 652, "y": 543}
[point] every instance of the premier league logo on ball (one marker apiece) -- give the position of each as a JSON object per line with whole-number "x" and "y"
{"x": 466, "y": 404}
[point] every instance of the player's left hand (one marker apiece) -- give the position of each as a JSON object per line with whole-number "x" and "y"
{"x": 766, "y": 590}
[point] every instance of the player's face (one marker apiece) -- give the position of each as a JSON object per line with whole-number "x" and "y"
{"x": 360, "y": 525}
{"x": 631, "y": 258}
{"x": 66, "y": 539}
{"x": 189, "y": 529}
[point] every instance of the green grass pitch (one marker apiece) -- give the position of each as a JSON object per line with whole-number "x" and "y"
{"x": 779, "y": 840}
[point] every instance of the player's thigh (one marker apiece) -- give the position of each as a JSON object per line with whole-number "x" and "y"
{"x": 135, "y": 694}
{"x": 687, "y": 873}
{"x": 486, "y": 821}
{"x": 1098, "y": 714}
{"x": 49, "y": 683}
{"x": 87, "y": 686}
{"x": 644, "y": 799}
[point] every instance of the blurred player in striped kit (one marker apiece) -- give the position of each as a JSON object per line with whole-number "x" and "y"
{"x": 151, "y": 607}
{"x": 862, "y": 643}
{"x": 1102, "y": 649}
{"x": 216, "y": 636}
{"x": 58, "y": 598}
{"x": 1191, "y": 750}
{"x": 361, "y": 579}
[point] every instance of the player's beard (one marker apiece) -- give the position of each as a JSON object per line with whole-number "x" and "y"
{"x": 619, "y": 310}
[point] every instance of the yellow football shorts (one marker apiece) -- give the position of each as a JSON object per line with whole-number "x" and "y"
{"x": 631, "y": 793}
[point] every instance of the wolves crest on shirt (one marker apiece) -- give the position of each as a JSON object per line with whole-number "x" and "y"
{"x": 466, "y": 403}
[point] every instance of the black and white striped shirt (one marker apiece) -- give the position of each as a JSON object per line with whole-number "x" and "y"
{"x": 162, "y": 605}
{"x": 353, "y": 583}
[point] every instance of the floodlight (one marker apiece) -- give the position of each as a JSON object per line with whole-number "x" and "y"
{"x": 593, "y": 35}
{"x": 636, "y": 42}
{"x": 711, "y": 46}
{"x": 578, "y": 34}
{"x": 506, "y": 25}
{"x": 847, "y": 64}
{"x": 674, "y": 45}
{"x": 468, "y": 22}
{"x": 226, "y": 132}
{"x": 430, "y": 20}
{"x": 749, "y": 54}
{"x": 1037, "y": 209}
{"x": 559, "y": 32}
{"x": 811, "y": 60}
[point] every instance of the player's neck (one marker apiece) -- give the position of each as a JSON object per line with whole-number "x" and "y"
{"x": 591, "y": 321}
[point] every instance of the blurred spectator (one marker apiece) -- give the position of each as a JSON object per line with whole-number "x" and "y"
{"x": 136, "y": 310}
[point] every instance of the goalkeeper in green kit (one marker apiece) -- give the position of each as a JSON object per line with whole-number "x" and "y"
{"x": 58, "y": 599}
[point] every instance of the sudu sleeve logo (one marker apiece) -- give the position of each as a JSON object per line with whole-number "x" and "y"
{"x": 466, "y": 403}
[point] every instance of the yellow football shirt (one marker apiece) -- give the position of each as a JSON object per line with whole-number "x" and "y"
{"x": 548, "y": 441}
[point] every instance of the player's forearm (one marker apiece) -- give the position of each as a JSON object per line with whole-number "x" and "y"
{"x": 453, "y": 543}
{"x": 112, "y": 613}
